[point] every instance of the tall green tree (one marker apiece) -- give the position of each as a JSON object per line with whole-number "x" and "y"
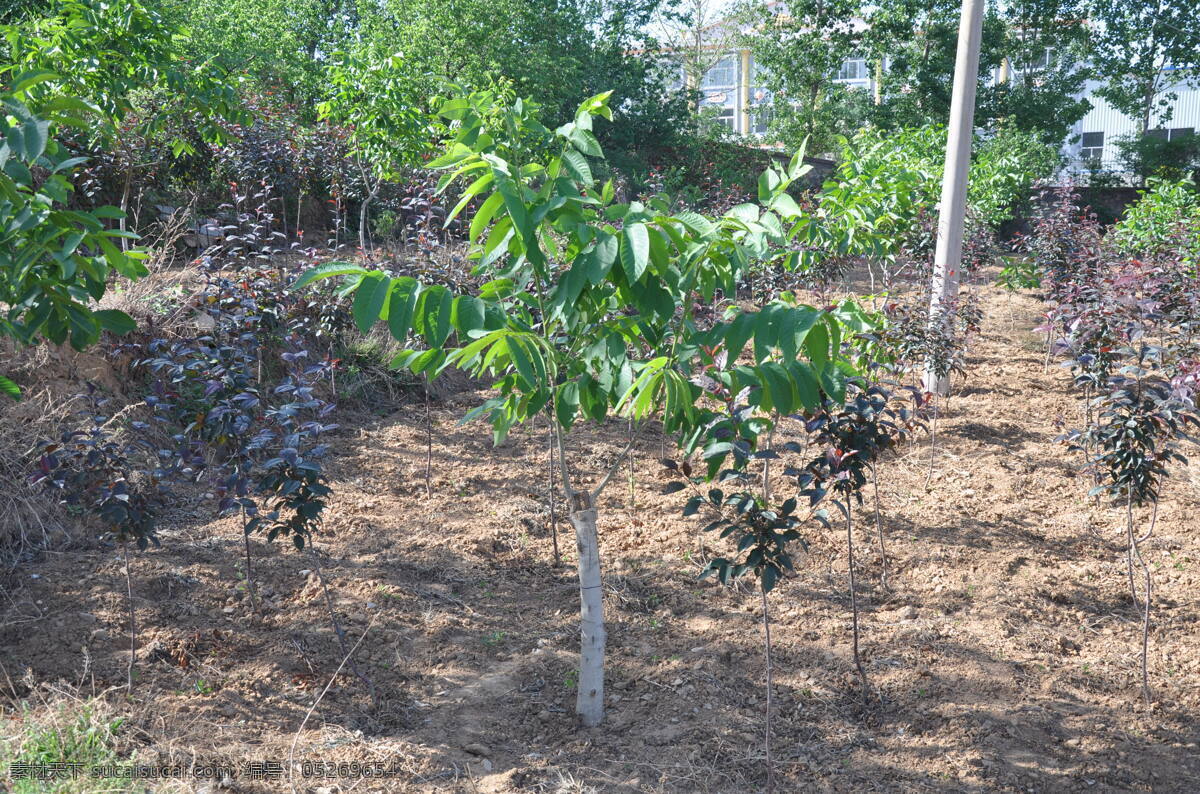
{"x": 375, "y": 96}
{"x": 800, "y": 53}
{"x": 1143, "y": 51}
{"x": 1043, "y": 71}
{"x": 553, "y": 51}
{"x": 113, "y": 54}
{"x": 918, "y": 39}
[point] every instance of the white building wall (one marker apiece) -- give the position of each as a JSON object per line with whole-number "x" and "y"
{"x": 1104, "y": 118}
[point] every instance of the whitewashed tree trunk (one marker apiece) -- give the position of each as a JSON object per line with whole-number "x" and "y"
{"x": 589, "y": 701}
{"x": 952, "y": 208}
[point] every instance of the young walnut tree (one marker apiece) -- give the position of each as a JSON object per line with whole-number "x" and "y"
{"x": 590, "y": 307}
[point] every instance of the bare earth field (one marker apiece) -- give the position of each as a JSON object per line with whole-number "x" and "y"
{"x": 1004, "y": 657}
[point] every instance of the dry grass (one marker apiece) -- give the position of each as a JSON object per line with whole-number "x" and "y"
{"x": 30, "y": 519}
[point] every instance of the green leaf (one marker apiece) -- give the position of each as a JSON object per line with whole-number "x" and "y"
{"x": 606, "y": 255}
{"x": 434, "y": 308}
{"x": 816, "y": 345}
{"x": 10, "y": 388}
{"x": 578, "y": 166}
{"x": 400, "y": 306}
{"x": 323, "y": 271}
{"x": 36, "y": 133}
{"x": 484, "y": 215}
{"x": 114, "y": 321}
{"x": 769, "y": 577}
{"x": 767, "y": 182}
{"x": 808, "y": 387}
{"x": 455, "y": 109}
{"x": 833, "y": 380}
{"x": 786, "y": 206}
{"x": 566, "y": 403}
{"x": 19, "y": 173}
{"x": 27, "y": 80}
{"x": 69, "y": 164}
{"x": 467, "y": 315}
{"x": 635, "y": 251}
{"x": 585, "y": 142}
{"x": 369, "y": 299}
{"x": 521, "y": 361}
{"x": 517, "y": 211}
{"x": 778, "y": 392}
{"x": 425, "y": 360}
{"x": 475, "y": 188}
{"x": 741, "y": 328}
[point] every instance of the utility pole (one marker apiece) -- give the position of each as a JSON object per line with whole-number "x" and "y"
{"x": 952, "y": 209}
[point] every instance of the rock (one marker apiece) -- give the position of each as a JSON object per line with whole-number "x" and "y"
{"x": 908, "y": 613}
{"x": 477, "y": 749}
{"x": 487, "y": 765}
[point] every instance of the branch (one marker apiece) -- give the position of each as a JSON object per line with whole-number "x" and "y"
{"x": 595, "y": 495}
{"x": 562, "y": 462}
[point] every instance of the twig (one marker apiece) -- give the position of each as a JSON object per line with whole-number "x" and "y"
{"x": 332, "y": 678}
{"x": 611, "y": 471}
{"x": 337, "y": 627}
{"x": 132, "y": 619}
{"x": 883, "y": 576}
{"x": 862, "y": 674}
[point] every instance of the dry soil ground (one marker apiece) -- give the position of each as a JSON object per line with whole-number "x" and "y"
{"x": 1003, "y": 658}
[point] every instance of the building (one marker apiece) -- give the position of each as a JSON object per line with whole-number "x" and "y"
{"x": 1093, "y": 143}
{"x": 733, "y": 86}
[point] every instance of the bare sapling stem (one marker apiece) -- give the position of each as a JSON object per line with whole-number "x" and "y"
{"x": 299, "y": 207}
{"x": 767, "y": 652}
{"x": 132, "y": 619}
{"x": 428, "y": 442}
{"x": 883, "y": 557}
{"x": 632, "y": 495}
{"x": 862, "y": 674}
{"x": 121, "y": 224}
{"x": 932, "y": 443}
{"x": 1153, "y": 521}
{"x": 338, "y": 631}
{"x": 1049, "y": 345}
{"x": 1129, "y": 546}
{"x": 319, "y": 698}
{"x": 250, "y": 589}
{"x": 589, "y": 686}
{"x": 1146, "y": 584}
{"x": 550, "y": 490}
{"x": 766, "y": 477}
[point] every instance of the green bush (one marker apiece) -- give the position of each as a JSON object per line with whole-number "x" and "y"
{"x": 1165, "y": 219}
{"x": 1149, "y": 157}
